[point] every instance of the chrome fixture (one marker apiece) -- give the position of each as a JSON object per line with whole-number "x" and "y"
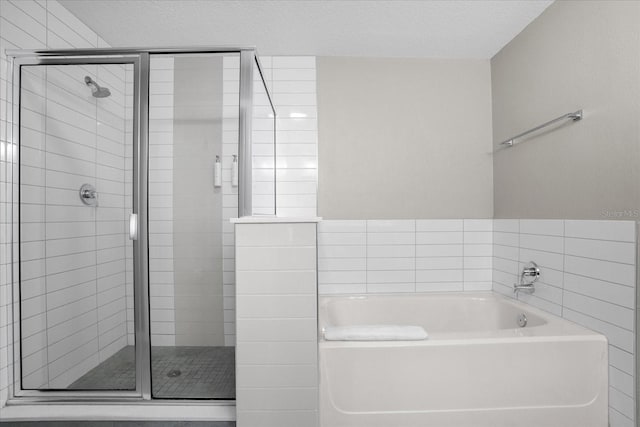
{"x": 88, "y": 195}
{"x": 522, "y": 320}
{"x": 96, "y": 90}
{"x": 217, "y": 172}
{"x": 530, "y": 274}
{"x": 575, "y": 116}
{"x": 234, "y": 171}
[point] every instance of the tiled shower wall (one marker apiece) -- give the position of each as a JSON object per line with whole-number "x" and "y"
{"x": 588, "y": 276}
{"x": 404, "y": 256}
{"x": 89, "y": 318}
{"x": 292, "y": 83}
{"x": 230, "y": 135}
{"x": 73, "y": 287}
{"x": 197, "y": 232}
{"x": 161, "y": 274}
{"x": 293, "y": 87}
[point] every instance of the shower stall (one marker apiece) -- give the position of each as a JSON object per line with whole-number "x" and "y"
{"x": 125, "y": 168}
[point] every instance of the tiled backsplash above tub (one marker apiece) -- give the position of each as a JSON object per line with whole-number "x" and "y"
{"x": 587, "y": 275}
{"x": 368, "y": 256}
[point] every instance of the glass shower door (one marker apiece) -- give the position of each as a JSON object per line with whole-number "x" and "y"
{"x": 193, "y": 149}
{"x": 106, "y": 305}
{"x": 75, "y": 192}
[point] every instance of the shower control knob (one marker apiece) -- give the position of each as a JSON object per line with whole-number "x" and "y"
{"x": 88, "y": 195}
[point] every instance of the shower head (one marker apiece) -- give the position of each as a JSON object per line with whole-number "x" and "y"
{"x": 96, "y": 89}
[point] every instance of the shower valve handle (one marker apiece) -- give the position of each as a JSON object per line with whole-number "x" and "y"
{"x": 88, "y": 195}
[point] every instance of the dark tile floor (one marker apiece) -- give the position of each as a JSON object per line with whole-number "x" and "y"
{"x": 177, "y": 373}
{"x": 116, "y": 373}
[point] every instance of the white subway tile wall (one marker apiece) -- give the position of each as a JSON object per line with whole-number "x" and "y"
{"x": 588, "y": 271}
{"x": 293, "y": 86}
{"x": 292, "y": 83}
{"x": 263, "y": 144}
{"x": 230, "y": 135}
{"x": 161, "y": 265}
{"x": 369, "y": 256}
{"x": 276, "y": 355}
{"x": 75, "y": 259}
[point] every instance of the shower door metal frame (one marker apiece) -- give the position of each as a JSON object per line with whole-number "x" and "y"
{"x": 140, "y": 58}
{"x": 248, "y": 58}
{"x": 140, "y": 64}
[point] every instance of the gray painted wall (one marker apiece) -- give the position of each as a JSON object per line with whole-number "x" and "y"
{"x": 404, "y": 138}
{"x": 575, "y": 55}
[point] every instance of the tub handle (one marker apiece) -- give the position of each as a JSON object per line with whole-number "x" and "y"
{"x": 532, "y": 271}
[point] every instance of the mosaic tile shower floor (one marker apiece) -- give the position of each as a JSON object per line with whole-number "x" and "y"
{"x": 177, "y": 373}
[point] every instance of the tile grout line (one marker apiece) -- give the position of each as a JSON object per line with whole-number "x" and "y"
{"x": 415, "y": 255}
{"x": 46, "y": 275}
{"x": 464, "y": 255}
{"x": 518, "y": 260}
{"x": 366, "y": 256}
{"x": 564, "y": 260}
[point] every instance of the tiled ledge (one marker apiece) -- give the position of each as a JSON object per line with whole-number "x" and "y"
{"x": 272, "y": 220}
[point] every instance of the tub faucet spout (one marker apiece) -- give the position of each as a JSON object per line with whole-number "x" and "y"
{"x": 530, "y": 274}
{"x": 529, "y": 288}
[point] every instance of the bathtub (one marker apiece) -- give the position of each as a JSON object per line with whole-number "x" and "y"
{"x": 477, "y": 368}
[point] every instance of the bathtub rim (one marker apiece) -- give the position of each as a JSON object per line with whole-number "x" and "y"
{"x": 555, "y": 328}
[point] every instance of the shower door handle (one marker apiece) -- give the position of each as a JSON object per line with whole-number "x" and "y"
{"x": 133, "y": 226}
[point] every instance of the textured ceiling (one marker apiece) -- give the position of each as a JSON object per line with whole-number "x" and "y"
{"x": 385, "y": 28}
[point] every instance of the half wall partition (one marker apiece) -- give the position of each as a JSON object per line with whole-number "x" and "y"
{"x": 125, "y": 167}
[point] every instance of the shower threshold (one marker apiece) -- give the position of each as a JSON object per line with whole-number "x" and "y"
{"x": 176, "y": 373}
